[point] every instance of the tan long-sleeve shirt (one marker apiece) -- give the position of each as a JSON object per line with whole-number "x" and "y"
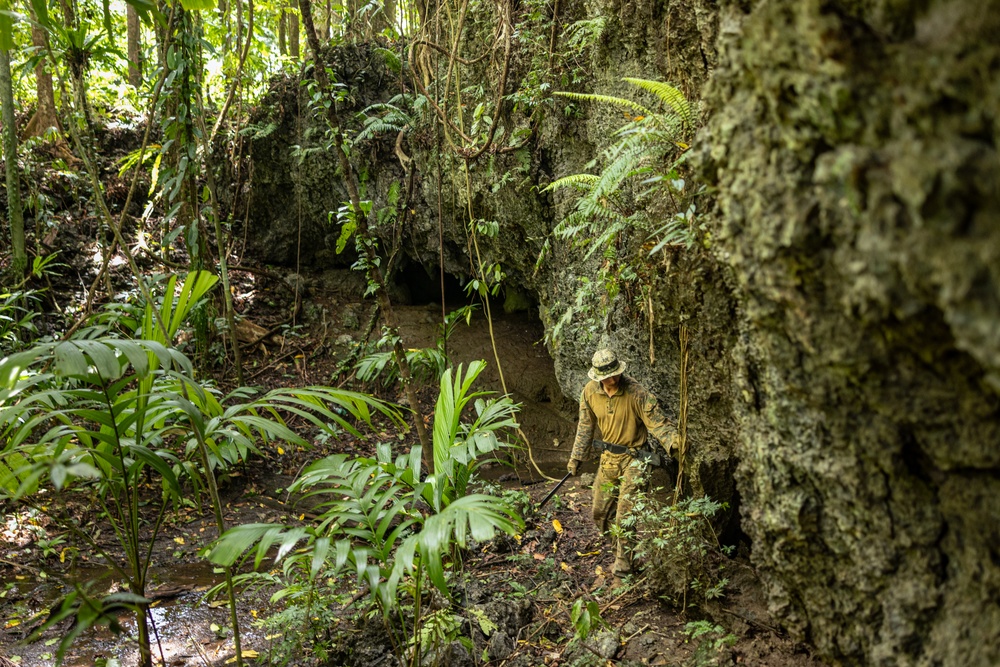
{"x": 623, "y": 419}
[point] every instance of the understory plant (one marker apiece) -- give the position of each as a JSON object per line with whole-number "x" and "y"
{"x": 676, "y": 544}
{"x": 17, "y": 312}
{"x": 425, "y": 362}
{"x": 712, "y": 644}
{"x": 102, "y": 417}
{"x": 398, "y": 532}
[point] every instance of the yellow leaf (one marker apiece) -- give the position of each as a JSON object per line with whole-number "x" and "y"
{"x": 302, "y": 517}
{"x": 281, "y": 451}
{"x": 179, "y": 540}
{"x": 599, "y": 571}
{"x": 249, "y": 653}
{"x": 683, "y": 146}
{"x": 565, "y": 567}
{"x": 589, "y": 553}
{"x": 12, "y": 623}
{"x": 557, "y": 525}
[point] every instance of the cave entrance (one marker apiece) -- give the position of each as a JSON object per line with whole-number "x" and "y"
{"x": 415, "y": 284}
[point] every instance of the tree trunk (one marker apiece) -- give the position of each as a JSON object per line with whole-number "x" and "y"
{"x": 282, "y": 48}
{"x": 45, "y": 115}
{"x": 293, "y": 30}
{"x": 20, "y": 256}
{"x": 389, "y": 14}
{"x": 134, "y": 63}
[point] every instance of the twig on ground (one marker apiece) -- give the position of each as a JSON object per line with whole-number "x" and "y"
{"x": 274, "y": 362}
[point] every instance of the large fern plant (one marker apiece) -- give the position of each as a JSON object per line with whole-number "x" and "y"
{"x": 632, "y": 199}
{"x": 637, "y": 184}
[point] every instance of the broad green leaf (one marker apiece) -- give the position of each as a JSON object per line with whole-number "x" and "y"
{"x": 6, "y": 26}
{"x": 320, "y": 549}
{"x": 235, "y": 541}
{"x": 69, "y": 360}
{"x": 159, "y": 464}
{"x": 41, "y": 8}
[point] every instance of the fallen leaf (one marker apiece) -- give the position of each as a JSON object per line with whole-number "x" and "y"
{"x": 179, "y": 540}
{"x": 599, "y": 571}
{"x": 281, "y": 451}
{"x": 558, "y": 526}
{"x": 565, "y": 567}
{"x": 588, "y": 554}
{"x": 539, "y": 556}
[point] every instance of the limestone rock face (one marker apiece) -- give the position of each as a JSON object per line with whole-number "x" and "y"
{"x": 853, "y": 146}
{"x": 842, "y": 306}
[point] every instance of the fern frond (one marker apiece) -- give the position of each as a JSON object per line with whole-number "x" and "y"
{"x": 376, "y": 126}
{"x": 623, "y": 166}
{"x": 669, "y": 95}
{"x": 606, "y": 99}
{"x": 579, "y": 181}
{"x": 391, "y": 59}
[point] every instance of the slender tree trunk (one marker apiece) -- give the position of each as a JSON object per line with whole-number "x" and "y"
{"x": 133, "y": 35}
{"x": 69, "y": 15}
{"x": 389, "y": 14}
{"x": 45, "y": 115}
{"x": 293, "y": 30}
{"x": 239, "y": 24}
{"x": 282, "y": 48}
{"x": 20, "y": 256}
{"x": 329, "y": 21}
{"x": 368, "y": 248}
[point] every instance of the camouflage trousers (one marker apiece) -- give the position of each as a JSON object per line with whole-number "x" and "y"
{"x": 618, "y": 477}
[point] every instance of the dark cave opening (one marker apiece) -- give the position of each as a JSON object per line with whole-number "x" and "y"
{"x": 415, "y": 285}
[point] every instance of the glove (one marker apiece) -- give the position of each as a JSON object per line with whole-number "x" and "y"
{"x": 571, "y": 466}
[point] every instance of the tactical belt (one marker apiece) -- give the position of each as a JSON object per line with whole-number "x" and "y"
{"x": 642, "y": 453}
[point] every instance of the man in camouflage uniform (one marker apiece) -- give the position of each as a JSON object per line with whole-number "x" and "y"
{"x": 624, "y": 412}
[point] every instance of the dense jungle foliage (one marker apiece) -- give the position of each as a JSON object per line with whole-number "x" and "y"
{"x": 245, "y": 246}
{"x": 128, "y": 390}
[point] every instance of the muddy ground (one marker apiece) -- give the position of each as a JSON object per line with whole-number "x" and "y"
{"x": 527, "y": 586}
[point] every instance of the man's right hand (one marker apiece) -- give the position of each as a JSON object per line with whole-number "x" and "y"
{"x": 572, "y": 466}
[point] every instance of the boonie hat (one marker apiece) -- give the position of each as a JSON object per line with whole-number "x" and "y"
{"x": 605, "y": 364}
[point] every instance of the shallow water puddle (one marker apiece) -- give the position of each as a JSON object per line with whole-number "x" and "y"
{"x": 185, "y": 628}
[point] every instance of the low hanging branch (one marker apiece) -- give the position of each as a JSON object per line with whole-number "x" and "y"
{"x": 361, "y": 220}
